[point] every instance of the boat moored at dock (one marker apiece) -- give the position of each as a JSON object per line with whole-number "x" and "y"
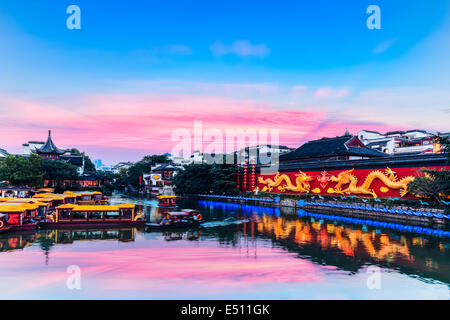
{"x": 18, "y": 217}
{"x": 72, "y": 215}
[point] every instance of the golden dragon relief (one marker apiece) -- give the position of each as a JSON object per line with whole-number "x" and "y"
{"x": 389, "y": 178}
{"x": 301, "y": 182}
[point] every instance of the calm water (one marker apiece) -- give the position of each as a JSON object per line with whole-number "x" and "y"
{"x": 243, "y": 252}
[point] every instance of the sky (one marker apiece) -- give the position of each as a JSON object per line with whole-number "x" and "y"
{"x": 138, "y": 71}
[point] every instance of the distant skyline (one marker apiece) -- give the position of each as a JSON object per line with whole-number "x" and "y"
{"x": 138, "y": 70}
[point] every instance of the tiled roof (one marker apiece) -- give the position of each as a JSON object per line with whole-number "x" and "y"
{"x": 49, "y": 146}
{"x": 330, "y": 147}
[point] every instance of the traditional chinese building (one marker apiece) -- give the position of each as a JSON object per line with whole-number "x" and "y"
{"x": 160, "y": 176}
{"x": 340, "y": 166}
{"x": 48, "y": 150}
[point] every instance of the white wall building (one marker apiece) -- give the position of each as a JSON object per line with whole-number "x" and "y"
{"x": 262, "y": 152}
{"x": 398, "y": 142}
{"x": 120, "y": 166}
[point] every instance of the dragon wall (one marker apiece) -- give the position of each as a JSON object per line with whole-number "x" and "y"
{"x": 378, "y": 183}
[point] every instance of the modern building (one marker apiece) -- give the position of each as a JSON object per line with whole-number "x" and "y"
{"x": 98, "y": 164}
{"x": 399, "y": 142}
{"x": 121, "y": 165}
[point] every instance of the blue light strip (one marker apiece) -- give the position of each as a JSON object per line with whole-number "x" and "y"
{"x": 427, "y": 214}
{"x": 276, "y": 200}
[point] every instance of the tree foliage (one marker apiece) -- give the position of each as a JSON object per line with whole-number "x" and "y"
{"x": 21, "y": 171}
{"x": 434, "y": 184}
{"x": 88, "y": 164}
{"x": 204, "y": 178}
{"x": 59, "y": 171}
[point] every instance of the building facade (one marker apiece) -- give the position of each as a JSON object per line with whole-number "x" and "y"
{"x": 341, "y": 166}
{"x": 399, "y": 142}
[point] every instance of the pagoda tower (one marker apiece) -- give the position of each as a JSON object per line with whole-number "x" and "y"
{"x": 49, "y": 150}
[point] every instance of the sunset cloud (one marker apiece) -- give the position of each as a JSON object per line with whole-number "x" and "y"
{"x": 125, "y": 126}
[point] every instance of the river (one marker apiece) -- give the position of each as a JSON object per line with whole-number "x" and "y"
{"x": 241, "y": 252}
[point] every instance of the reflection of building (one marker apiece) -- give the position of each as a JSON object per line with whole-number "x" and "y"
{"x": 69, "y": 236}
{"x": 399, "y": 142}
{"x": 16, "y": 241}
{"x": 348, "y": 246}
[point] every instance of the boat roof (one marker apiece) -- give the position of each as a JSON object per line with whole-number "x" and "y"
{"x": 166, "y": 197}
{"x": 25, "y": 201}
{"x": 46, "y": 190}
{"x": 75, "y": 207}
{"x": 189, "y": 210}
{"x": 12, "y": 207}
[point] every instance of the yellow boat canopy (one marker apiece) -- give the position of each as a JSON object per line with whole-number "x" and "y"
{"x": 75, "y": 207}
{"x": 166, "y": 197}
{"x": 12, "y": 207}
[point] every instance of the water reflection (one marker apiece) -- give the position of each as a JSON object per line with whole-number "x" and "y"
{"x": 240, "y": 252}
{"x": 349, "y": 247}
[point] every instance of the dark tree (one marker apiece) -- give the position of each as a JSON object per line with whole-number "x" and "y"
{"x": 22, "y": 171}
{"x": 58, "y": 171}
{"x": 204, "y": 178}
{"x": 434, "y": 184}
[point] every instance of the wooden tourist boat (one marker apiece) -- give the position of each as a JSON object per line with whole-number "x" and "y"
{"x": 167, "y": 201}
{"x": 42, "y": 207}
{"x": 17, "y": 216}
{"x": 88, "y": 197}
{"x": 72, "y": 215}
{"x": 183, "y": 219}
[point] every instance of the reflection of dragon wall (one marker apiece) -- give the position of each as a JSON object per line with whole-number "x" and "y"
{"x": 344, "y": 178}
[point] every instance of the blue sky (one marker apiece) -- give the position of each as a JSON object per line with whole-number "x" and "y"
{"x": 300, "y": 56}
